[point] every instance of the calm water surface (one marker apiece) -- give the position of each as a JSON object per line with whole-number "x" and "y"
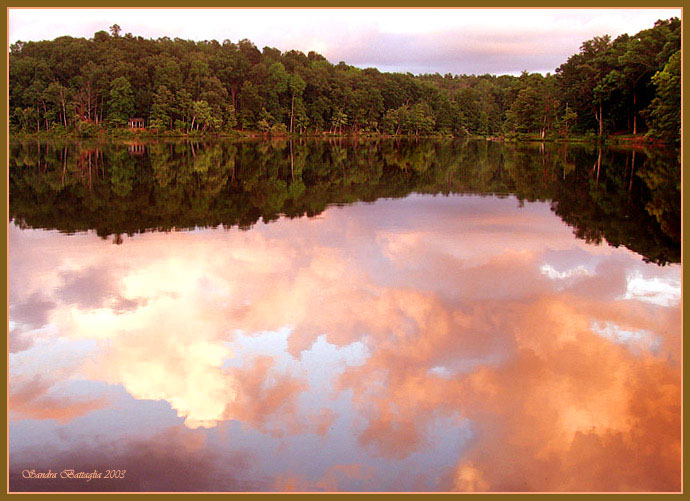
{"x": 314, "y": 316}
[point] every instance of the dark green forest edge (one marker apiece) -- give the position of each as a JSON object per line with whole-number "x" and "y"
{"x": 624, "y": 196}
{"x": 624, "y": 89}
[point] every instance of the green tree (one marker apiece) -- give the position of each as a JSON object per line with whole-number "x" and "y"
{"x": 644, "y": 54}
{"x": 120, "y": 102}
{"x": 297, "y": 85}
{"x": 59, "y": 97}
{"x": 569, "y": 116}
{"x": 162, "y": 109}
{"x": 665, "y": 110}
{"x": 582, "y": 80}
{"x": 202, "y": 115}
{"x": 338, "y": 121}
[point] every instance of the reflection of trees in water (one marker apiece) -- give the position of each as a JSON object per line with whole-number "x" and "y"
{"x": 626, "y": 197}
{"x": 615, "y": 205}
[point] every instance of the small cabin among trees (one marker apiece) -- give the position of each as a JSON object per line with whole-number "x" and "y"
{"x": 136, "y": 123}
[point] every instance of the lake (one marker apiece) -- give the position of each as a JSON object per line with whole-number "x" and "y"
{"x": 342, "y": 315}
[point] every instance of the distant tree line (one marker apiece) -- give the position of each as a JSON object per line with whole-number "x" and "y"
{"x": 630, "y": 84}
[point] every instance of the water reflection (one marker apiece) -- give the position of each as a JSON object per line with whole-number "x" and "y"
{"x": 425, "y": 343}
{"x": 626, "y": 197}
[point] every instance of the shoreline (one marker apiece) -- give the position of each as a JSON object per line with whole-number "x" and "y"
{"x": 126, "y": 135}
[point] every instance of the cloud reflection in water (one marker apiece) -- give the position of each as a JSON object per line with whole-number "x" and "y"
{"x": 487, "y": 351}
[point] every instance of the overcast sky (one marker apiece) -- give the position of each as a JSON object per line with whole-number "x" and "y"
{"x": 455, "y": 41}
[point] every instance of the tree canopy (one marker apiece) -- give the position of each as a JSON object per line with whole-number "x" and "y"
{"x": 630, "y": 84}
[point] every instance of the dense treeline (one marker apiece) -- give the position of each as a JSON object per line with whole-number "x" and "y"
{"x": 626, "y": 197}
{"x": 630, "y": 84}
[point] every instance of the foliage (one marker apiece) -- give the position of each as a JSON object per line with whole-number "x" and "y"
{"x": 630, "y": 84}
{"x": 120, "y": 102}
{"x": 664, "y": 111}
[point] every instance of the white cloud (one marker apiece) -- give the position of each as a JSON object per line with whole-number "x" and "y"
{"x": 554, "y": 274}
{"x": 656, "y": 290}
{"x": 637, "y": 339}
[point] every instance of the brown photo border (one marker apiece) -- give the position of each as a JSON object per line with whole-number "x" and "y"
{"x": 200, "y": 4}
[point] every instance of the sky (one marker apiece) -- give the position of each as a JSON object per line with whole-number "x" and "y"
{"x": 458, "y": 41}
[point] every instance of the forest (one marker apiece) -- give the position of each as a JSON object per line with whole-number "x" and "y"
{"x": 630, "y": 85}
